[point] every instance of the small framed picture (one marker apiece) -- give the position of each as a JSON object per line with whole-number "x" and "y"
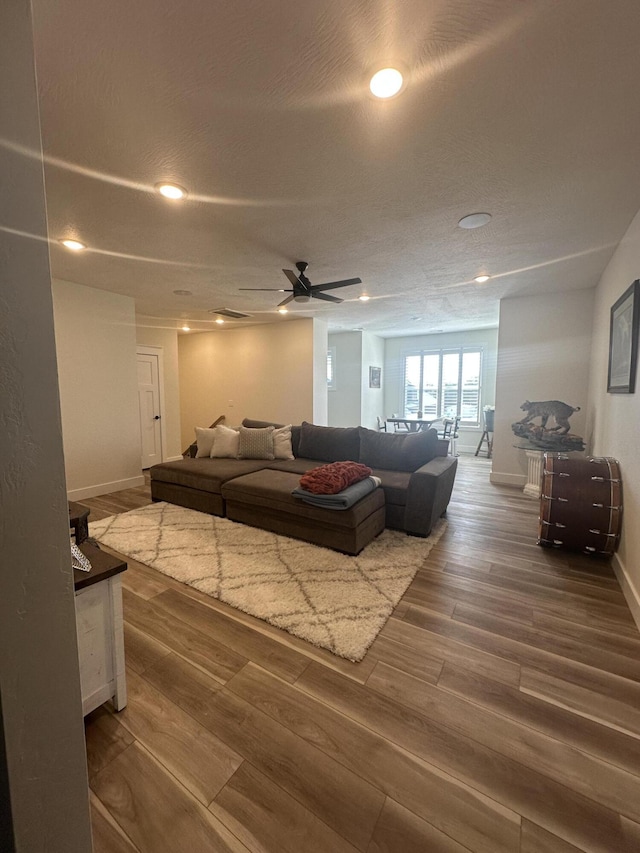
{"x": 623, "y": 341}
{"x": 375, "y": 374}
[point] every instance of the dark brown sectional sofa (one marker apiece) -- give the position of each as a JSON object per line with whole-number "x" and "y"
{"x": 415, "y": 491}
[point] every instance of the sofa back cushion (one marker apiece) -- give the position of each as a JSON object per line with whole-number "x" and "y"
{"x": 329, "y": 444}
{"x": 397, "y": 452}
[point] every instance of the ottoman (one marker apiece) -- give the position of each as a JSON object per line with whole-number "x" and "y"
{"x": 263, "y": 499}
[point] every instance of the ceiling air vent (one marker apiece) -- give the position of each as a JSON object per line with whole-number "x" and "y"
{"x": 227, "y": 312}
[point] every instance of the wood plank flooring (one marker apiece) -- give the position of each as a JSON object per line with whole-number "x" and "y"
{"x": 498, "y": 711}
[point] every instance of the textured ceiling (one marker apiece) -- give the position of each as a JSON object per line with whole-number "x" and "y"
{"x": 527, "y": 109}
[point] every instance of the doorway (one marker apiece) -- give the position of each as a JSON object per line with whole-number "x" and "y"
{"x": 149, "y": 360}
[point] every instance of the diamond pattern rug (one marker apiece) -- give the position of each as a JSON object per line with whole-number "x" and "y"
{"x": 329, "y": 599}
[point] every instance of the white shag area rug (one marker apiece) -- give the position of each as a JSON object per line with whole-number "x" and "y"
{"x": 329, "y": 599}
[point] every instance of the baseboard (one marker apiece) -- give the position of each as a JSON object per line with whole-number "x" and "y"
{"x": 105, "y": 488}
{"x": 628, "y": 587}
{"x": 498, "y": 479}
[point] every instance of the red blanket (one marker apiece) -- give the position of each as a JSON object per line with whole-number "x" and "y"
{"x": 333, "y": 478}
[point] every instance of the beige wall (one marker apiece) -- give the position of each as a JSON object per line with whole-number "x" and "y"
{"x": 96, "y": 349}
{"x": 46, "y": 805}
{"x": 614, "y": 419}
{"x": 544, "y": 346}
{"x": 167, "y": 341}
{"x": 263, "y": 372}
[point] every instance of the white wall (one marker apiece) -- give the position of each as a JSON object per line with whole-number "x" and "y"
{"x": 352, "y": 402}
{"x": 614, "y": 419}
{"x": 544, "y": 347}
{"x": 372, "y": 404}
{"x": 320, "y": 345}
{"x": 262, "y": 372}
{"x": 396, "y": 348}
{"x": 167, "y": 341}
{"x": 44, "y": 802}
{"x": 346, "y": 397}
{"x": 96, "y": 349}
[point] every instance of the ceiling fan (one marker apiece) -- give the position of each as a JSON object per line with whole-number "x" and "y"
{"x": 303, "y": 290}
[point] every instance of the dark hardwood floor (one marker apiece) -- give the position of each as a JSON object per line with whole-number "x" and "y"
{"x": 498, "y": 710}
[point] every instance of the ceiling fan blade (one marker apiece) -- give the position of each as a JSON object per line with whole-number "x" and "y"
{"x": 284, "y": 301}
{"x": 270, "y": 289}
{"x": 347, "y": 282}
{"x": 325, "y": 296}
{"x": 293, "y": 278}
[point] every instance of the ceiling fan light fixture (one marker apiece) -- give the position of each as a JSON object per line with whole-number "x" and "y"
{"x": 74, "y": 245}
{"x": 386, "y": 83}
{"x": 474, "y": 220}
{"x": 482, "y": 278}
{"x": 301, "y": 297}
{"x": 171, "y": 191}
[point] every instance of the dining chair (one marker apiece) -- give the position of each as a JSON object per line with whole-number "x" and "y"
{"x": 382, "y": 425}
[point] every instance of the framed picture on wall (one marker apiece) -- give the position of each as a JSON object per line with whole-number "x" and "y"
{"x": 623, "y": 341}
{"x": 375, "y": 374}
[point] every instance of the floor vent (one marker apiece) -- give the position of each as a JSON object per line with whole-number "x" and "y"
{"x": 227, "y": 312}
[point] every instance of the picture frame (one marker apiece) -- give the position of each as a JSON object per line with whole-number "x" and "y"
{"x": 375, "y": 376}
{"x": 623, "y": 341}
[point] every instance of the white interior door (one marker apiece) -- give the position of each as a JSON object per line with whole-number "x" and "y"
{"x": 149, "y": 402}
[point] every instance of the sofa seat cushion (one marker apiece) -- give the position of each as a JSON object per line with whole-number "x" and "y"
{"x": 299, "y": 465}
{"x": 207, "y": 475}
{"x": 272, "y": 489}
{"x": 394, "y": 484}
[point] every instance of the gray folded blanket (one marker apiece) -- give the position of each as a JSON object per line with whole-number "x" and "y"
{"x": 342, "y": 500}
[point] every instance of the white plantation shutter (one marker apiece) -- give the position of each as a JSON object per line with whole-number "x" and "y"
{"x": 444, "y": 383}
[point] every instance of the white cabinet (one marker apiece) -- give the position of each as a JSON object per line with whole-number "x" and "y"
{"x": 99, "y": 626}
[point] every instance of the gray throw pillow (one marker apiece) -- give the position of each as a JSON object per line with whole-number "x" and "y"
{"x": 256, "y": 443}
{"x": 395, "y": 452}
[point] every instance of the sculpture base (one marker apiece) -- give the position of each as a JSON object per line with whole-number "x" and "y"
{"x": 533, "y": 486}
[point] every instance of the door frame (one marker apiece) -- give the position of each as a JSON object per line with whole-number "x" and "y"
{"x": 159, "y": 352}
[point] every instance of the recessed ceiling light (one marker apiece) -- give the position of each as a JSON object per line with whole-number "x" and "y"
{"x": 74, "y": 245}
{"x": 386, "y": 83}
{"x": 220, "y": 321}
{"x": 364, "y": 298}
{"x": 283, "y": 310}
{"x": 186, "y": 328}
{"x": 183, "y": 293}
{"x": 172, "y": 191}
{"x": 482, "y": 278}
{"x": 474, "y": 220}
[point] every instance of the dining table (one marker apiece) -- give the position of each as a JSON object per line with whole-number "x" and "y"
{"x": 413, "y": 423}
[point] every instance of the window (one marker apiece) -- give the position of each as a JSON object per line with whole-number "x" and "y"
{"x": 444, "y": 384}
{"x": 331, "y": 369}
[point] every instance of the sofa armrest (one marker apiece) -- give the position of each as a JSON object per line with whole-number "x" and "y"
{"x": 428, "y": 494}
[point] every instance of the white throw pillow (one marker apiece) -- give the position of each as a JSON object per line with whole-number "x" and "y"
{"x": 225, "y": 443}
{"x": 282, "y": 443}
{"x": 204, "y": 439}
